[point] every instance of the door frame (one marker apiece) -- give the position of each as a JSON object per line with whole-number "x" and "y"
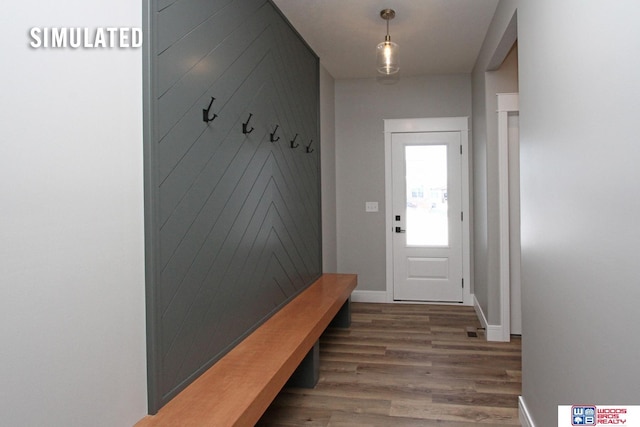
{"x": 507, "y": 103}
{"x": 440, "y": 124}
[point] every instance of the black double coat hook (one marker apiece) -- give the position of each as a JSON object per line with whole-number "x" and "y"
{"x": 245, "y": 126}
{"x": 293, "y": 142}
{"x": 272, "y": 136}
{"x": 205, "y": 112}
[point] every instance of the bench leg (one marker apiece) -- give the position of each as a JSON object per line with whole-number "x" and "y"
{"x": 343, "y": 317}
{"x": 308, "y": 373}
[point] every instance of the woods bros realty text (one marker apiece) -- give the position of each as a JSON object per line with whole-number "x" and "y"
{"x": 86, "y": 38}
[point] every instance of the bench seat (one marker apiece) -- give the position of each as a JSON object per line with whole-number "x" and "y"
{"x": 238, "y": 388}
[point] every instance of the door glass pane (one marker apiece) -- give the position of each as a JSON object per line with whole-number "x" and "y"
{"x": 427, "y": 220}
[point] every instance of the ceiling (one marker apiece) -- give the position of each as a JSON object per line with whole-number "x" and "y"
{"x": 435, "y": 36}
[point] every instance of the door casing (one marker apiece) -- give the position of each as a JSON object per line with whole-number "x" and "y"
{"x": 509, "y": 290}
{"x": 440, "y": 124}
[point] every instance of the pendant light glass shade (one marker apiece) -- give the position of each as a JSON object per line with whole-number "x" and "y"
{"x": 387, "y": 57}
{"x": 387, "y": 51}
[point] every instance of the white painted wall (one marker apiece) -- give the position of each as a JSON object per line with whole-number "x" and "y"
{"x": 487, "y": 81}
{"x": 72, "y": 323}
{"x": 502, "y": 80}
{"x": 579, "y": 105}
{"x": 328, "y": 171}
{"x": 361, "y": 107}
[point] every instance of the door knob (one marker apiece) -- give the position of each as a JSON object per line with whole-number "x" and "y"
{"x": 400, "y": 230}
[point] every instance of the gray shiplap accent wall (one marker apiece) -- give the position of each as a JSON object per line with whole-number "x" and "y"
{"x": 232, "y": 220}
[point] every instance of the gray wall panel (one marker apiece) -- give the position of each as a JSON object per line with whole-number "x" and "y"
{"x": 184, "y": 16}
{"x": 179, "y": 98}
{"x": 228, "y": 104}
{"x": 160, "y": 5}
{"x": 207, "y": 156}
{"x": 195, "y": 50}
{"x": 220, "y": 209}
{"x": 235, "y": 217}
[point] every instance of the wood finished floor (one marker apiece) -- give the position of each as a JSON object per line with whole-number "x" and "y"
{"x": 407, "y": 365}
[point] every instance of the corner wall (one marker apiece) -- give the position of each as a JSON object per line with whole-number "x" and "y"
{"x": 579, "y": 92}
{"x": 71, "y": 222}
{"x": 328, "y": 171}
{"x": 486, "y": 83}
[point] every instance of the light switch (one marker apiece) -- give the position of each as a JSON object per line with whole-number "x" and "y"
{"x": 371, "y": 206}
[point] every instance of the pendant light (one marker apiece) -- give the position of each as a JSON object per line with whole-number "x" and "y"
{"x": 387, "y": 57}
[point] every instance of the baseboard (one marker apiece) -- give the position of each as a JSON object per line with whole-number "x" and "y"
{"x": 523, "y": 414}
{"x": 385, "y": 297}
{"x": 493, "y": 332}
{"x": 479, "y": 312}
{"x": 369, "y": 296}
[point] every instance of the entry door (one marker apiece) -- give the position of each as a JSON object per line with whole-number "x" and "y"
{"x": 427, "y": 222}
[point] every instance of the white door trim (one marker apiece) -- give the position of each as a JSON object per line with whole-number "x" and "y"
{"x": 441, "y": 124}
{"x": 507, "y": 103}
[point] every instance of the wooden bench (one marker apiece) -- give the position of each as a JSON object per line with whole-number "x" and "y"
{"x": 238, "y": 389}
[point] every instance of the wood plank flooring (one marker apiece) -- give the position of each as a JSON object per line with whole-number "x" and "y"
{"x": 407, "y": 365}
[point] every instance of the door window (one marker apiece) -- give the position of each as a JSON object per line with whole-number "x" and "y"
{"x": 426, "y": 189}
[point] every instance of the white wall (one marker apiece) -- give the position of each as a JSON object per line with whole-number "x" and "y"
{"x": 487, "y": 81}
{"x": 361, "y": 107}
{"x": 328, "y": 171}
{"x": 71, "y": 223}
{"x": 579, "y": 103}
{"x": 502, "y": 80}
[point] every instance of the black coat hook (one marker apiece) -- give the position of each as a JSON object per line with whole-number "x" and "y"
{"x": 205, "y": 112}
{"x": 293, "y": 142}
{"x": 272, "y": 136}
{"x": 245, "y": 125}
{"x": 309, "y": 149}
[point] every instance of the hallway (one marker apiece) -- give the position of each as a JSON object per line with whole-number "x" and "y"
{"x": 407, "y": 365}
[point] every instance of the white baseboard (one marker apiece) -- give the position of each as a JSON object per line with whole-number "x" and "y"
{"x": 386, "y": 297}
{"x": 523, "y": 414}
{"x": 479, "y": 312}
{"x": 369, "y": 296}
{"x": 493, "y": 332}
